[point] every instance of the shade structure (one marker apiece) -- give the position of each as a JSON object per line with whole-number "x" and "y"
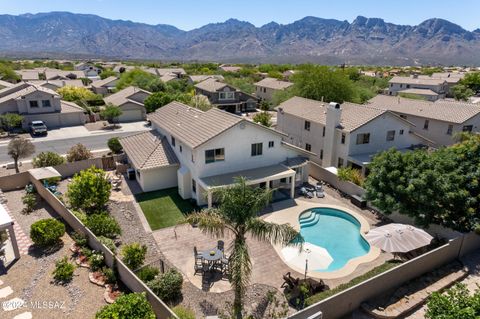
{"x": 318, "y": 257}
{"x": 398, "y": 238}
{"x": 44, "y": 173}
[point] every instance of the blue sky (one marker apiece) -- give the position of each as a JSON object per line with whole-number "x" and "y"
{"x": 190, "y": 14}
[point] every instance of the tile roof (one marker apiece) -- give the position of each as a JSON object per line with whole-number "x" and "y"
{"x": 211, "y": 85}
{"x": 200, "y": 78}
{"x": 168, "y": 77}
{"x": 6, "y": 84}
{"x": 70, "y": 107}
{"x": 52, "y": 73}
{"x": 166, "y": 71}
{"x": 192, "y": 126}
{"x": 28, "y": 74}
{"x": 103, "y": 82}
{"x": 60, "y": 83}
{"x": 442, "y": 110}
{"x": 275, "y": 84}
{"x": 122, "y": 96}
{"x": 148, "y": 150}
{"x": 419, "y": 92}
{"x": 25, "y": 91}
{"x": 411, "y": 80}
{"x": 353, "y": 115}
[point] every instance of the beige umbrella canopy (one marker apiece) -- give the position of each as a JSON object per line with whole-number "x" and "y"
{"x": 318, "y": 257}
{"x": 398, "y": 238}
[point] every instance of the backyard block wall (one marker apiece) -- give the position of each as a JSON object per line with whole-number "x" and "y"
{"x": 321, "y": 174}
{"x": 16, "y": 181}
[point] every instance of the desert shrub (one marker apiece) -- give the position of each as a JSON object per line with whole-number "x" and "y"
{"x": 168, "y": 286}
{"x": 114, "y": 145}
{"x": 131, "y": 306}
{"x": 29, "y": 200}
{"x": 45, "y": 159}
{"x": 134, "y": 255}
{"x": 263, "y": 118}
{"x": 47, "y": 232}
{"x": 89, "y": 190}
{"x": 97, "y": 261}
{"x": 80, "y": 215}
{"x": 103, "y": 225}
{"x": 183, "y": 312}
{"x": 78, "y": 152}
{"x": 351, "y": 174}
{"x": 63, "y": 270}
{"x": 80, "y": 239}
{"x": 147, "y": 273}
{"x": 109, "y": 274}
{"x": 108, "y": 242}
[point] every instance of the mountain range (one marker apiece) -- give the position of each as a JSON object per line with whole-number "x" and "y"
{"x": 311, "y": 39}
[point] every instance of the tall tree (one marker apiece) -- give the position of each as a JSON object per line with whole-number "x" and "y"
{"x": 18, "y": 148}
{"x": 10, "y": 120}
{"x": 111, "y": 113}
{"x": 237, "y": 214}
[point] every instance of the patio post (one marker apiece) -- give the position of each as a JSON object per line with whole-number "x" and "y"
{"x": 292, "y": 187}
{"x": 13, "y": 240}
{"x": 209, "y": 198}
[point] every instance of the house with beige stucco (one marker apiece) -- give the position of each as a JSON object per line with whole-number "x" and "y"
{"x": 130, "y": 100}
{"x": 266, "y": 88}
{"x": 422, "y": 86}
{"x": 200, "y": 151}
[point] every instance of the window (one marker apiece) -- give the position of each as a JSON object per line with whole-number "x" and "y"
{"x": 425, "y": 125}
{"x": 390, "y": 135}
{"x": 308, "y": 147}
{"x": 216, "y": 155}
{"x": 194, "y": 186}
{"x": 321, "y": 154}
{"x": 450, "y": 130}
{"x": 271, "y": 144}
{"x": 408, "y": 86}
{"x": 226, "y": 95}
{"x": 401, "y": 85}
{"x": 264, "y": 90}
{"x": 33, "y": 103}
{"x": 401, "y": 132}
{"x": 323, "y": 132}
{"x": 180, "y": 147}
{"x": 467, "y": 128}
{"x": 363, "y": 138}
{"x": 343, "y": 138}
{"x": 307, "y": 126}
{"x": 46, "y": 103}
{"x": 257, "y": 149}
{"x": 173, "y": 141}
{"x": 340, "y": 162}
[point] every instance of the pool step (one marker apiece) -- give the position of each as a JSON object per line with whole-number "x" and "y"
{"x": 310, "y": 221}
{"x": 307, "y": 219}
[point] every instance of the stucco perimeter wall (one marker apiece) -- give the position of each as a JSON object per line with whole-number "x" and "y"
{"x": 16, "y": 181}
{"x": 125, "y": 274}
{"x": 322, "y": 174}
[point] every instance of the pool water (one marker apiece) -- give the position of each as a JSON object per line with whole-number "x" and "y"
{"x": 336, "y": 231}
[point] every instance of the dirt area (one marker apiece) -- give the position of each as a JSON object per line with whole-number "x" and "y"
{"x": 101, "y": 126}
{"x": 30, "y": 277}
{"x": 11, "y": 171}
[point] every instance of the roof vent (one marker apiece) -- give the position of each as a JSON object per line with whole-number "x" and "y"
{"x": 335, "y": 105}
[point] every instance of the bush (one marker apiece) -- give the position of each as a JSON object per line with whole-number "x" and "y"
{"x": 63, "y": 270}
{"x": 263, "y": 118}
{"x": 168, "y": 286}
{"x": 114, "y": 145}
{"x": 109, "y": 274}
{"x": 131, "y": 306}
{"x": 97, "y": 261}
{"x": 80, "y": 215}
{"x": 78, "y": 152}
{"x": 134, "y": 255}
{"x": 103, "y": 225}
{"x": 108, "y": 242}
{"x": 89, "y": 190}
{"x": 29, "y": 200}
{"x": 351, "y": 175}
{"x": 47, "y": 232}
{"x": 80, "y": 239}
{"x": 45, "y": 159}
{"x": 147, "y": 273}
{"x": 184, "y": 313}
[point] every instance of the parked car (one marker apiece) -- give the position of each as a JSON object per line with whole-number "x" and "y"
{"x": 38, "y": 128}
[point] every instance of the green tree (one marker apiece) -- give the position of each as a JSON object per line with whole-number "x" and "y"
{"x": 73, "y": 94}
{"x": 8, "y": 74}
{"x": 89, "y": 190}
{"x": 237, "y": 214}
{"x": 10, "y": 121}
{"x": 159, "y": 99}
{"x": 131, "y": 306}
{"x": 141, "y": 79}
{"x": 317, "y": 82}
{"x": 350, "y": 174}
{"x": 78, "y": 152}
{"x": 45, "y": 159}
{"x": 114, "y": 145}
{"x": 18, "y": 148}
{"x": 111, "y": 113}
{"x": 133, "y": 255}
{"x": 461, "y": 92}
{"x": 264, "y": 118}
{"x": 107, "y": 73}
{"x": 472, "y": 81}
{"x": 455, "y": 303}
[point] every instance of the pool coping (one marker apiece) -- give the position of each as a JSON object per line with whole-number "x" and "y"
{"x": 293, "y": 220}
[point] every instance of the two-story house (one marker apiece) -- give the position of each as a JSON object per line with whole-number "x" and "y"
{"x": 430, "y": 88}
{"x": 342, "y": 135}
{"x": 200, "y": 151}
{"x": 266, "y": 88}
{"x": 226, "y": 97}
{"x": 35, "y": 102}
{"x": 105, "y": 86}
{"x": 438, "y": 121}
{"x": 130, "y": 100}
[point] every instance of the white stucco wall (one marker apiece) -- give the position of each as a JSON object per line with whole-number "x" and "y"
{"x": 159, "y": 178}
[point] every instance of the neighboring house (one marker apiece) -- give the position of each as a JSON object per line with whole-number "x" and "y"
{"x": 35, "y": 102}
{"x": 265, "y": 88}
{"x": 57, "y": 84}
{"x": 53, "y": 74}
{"x": 130, "y": 101}
{"x": 5, "y": 84}
{"x": 229, "y": 68}
{"x": 193, "y": 79}
{"x": 28, "y": 75}
{"x": 90, "y": 70}
{"x": 438, "y": 121}
{"x": 400, "y": 83}
{"x": 104, "y": 86}
{"x": 452, "y": 79}
{"x": 200, "y": 151}
{"x": 288, "y": 74}
{"x": 167, "y": 74}
{"x": 342, "y": 135}
{"x": 226, "y": 97}
{"x": 425, "y": 94}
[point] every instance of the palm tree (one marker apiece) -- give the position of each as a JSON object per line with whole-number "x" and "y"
{"x": 237, "y": 213}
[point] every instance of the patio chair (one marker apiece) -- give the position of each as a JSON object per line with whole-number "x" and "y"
{"x": 224, "y": 265}
{"x": 320, "y": 194}
{"x": 289, "y": 281}
{"x": 196, "y": 254}
{"x": 198, "y": 266}
{"x": 220, "y": 245}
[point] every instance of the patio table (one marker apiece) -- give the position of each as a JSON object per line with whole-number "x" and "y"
{"x": 212, "y": 259}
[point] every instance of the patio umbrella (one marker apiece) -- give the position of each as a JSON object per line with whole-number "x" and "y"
{"x": 398, "y": 238}
{"x": 318, "y": 257}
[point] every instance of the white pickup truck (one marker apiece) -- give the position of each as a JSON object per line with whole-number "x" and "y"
{"x": 38, "y": 128}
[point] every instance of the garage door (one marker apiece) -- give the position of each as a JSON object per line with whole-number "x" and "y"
{"x": 131, "y": 116}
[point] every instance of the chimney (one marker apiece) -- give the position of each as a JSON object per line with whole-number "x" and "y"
{"x": 334, "y": 113}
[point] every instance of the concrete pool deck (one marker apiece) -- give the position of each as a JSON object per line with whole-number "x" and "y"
{"x": 288, "y": 212}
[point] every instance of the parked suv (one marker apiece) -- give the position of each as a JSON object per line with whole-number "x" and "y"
{"x": 38, "y": 128}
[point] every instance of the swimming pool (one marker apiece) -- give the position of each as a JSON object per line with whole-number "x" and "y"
{"x": 336, "y": 231}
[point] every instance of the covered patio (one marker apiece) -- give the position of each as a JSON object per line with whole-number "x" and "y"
{"x": 9, "y": 246}
{"x": 275, "y": 176}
